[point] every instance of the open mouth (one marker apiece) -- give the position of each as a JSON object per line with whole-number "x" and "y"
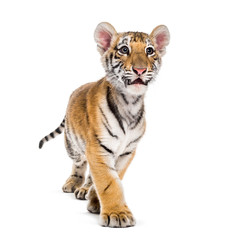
{"x": 138, "y": 81}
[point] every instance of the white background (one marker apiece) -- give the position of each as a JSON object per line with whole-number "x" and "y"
{"x": 182, "y": 183}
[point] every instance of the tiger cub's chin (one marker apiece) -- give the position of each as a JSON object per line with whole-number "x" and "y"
{"x": 136, "y": 89}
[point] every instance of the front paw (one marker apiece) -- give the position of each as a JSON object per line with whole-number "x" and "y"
{"x": 117, "y": 219}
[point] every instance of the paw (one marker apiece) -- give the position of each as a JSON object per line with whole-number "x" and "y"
{"x": 93, "y": 201}
{"x": 72, "y": 183}
{"x": 93, "y": 205}
{"x": 80, "y": 193}
{"x": 117, "y": 219}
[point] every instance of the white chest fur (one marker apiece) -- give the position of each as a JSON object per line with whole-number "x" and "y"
{"x": 123, "y": 129}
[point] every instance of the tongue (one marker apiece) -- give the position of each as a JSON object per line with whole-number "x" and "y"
{"x": 138, "y": 81}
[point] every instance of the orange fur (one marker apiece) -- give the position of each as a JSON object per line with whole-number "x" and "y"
{"x": 110, "y": 113}
{"x": 89, "y": 125}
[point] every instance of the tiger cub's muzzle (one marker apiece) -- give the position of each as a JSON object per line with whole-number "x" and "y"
{"x": 139, "y": 73}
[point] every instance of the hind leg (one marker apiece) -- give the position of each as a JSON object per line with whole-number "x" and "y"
{"x": 76, "y": 178}
{"x": 79, "y": 166}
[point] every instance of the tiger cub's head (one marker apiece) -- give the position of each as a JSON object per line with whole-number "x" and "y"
{"x": 131, "y": 59}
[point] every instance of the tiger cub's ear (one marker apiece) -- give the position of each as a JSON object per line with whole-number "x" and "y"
{"x": 103, "y": 36}
{"x": 161, "y": 37}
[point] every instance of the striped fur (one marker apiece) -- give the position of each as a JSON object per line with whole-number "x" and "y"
{"x": 53, "y": 134}
{"x": 105, "y": 120}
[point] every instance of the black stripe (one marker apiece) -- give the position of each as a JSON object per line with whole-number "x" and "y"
{"x": 124, "y": 98}
{"x": 41, "y": 143}
{"x": 46, "y": 138}
{"x": 117, "y": 65}
{"x": 149, "y": 80}
{"x": 104, "y": 116}
{"x": 125, "y": 154}
{"x": 103, "y": 146}
{"x": 114, "y": 109}
{"x": 52, "y": 134}
{"x": 87, "y": 118}
{"x": 58, "y": 130}
{"x": 154, "y": 66}
{"x": 131, "y": 115}
{"x": 79, "y": 143}
{"x": 141, "y": 112}
{"x": 83, "y": 164}
{"x": 137, "y": 99}
{"x": 135, "y": 140}
{"x": 107, "y": 149}
{"x": 110, "y": 133}
{"x": 125, "y": 41}
{"x": 104, "y": 164}
{"x": 69, "y": 147}
{"x": 85, "y": 110}
{"x": 108, "y": 186}
{"x": 107, "y": 62}
{"x": 63, "y": 123}
{"x": 111, "y": 59}
{"x": 126, "y": 80}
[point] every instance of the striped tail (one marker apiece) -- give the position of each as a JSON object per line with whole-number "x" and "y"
{"x": 53, "y": 134}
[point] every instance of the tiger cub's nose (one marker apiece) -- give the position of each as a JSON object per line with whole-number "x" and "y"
{"x": 139, "y": 71}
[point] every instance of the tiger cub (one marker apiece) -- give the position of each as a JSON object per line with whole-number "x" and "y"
{"x": 105, "y": 120}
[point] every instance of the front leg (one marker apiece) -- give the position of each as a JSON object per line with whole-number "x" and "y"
{"x": 121, "y": 166}
{"x": 114, "y": 211}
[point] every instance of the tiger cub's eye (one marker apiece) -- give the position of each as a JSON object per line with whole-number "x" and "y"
{"x": 149, "y": 51}
{"x": 124, "y": 50}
